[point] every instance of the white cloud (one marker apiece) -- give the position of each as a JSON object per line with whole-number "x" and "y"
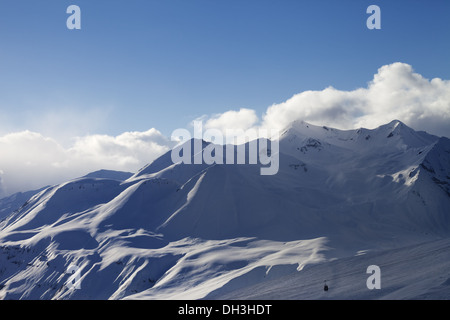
{"x": 232, "y": 120}
{"x": 395, "y": 92}
{"x": 128, "y": 151}
{"x": 231, "y": 125}
{"x": 30, "y": 160}
{"x": 327, "y": 107}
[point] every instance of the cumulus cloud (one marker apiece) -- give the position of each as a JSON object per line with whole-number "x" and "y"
{"x": 30, "y": 160}
{"x": 232, "y": 125}
{"x": 128, "y": 151}
{"x": 395, "y": 92}
{"x": 232, "y": 120}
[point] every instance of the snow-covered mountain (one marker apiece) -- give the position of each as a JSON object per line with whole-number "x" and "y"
{"x": 170, "y": 231}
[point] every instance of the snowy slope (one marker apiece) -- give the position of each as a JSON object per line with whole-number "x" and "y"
{"x": 110, "y": 174}
{"x": 198, "y": 231}
{"x": 14, "y": 202}
{"x": 420, "y": 271}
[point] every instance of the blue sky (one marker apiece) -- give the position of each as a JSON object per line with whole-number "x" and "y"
{"x": 139, "y": 64}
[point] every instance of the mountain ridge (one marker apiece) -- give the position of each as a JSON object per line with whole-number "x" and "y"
{"x": 337, "y": 193}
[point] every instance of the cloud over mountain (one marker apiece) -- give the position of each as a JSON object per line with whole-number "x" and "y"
{"x": 31, "y": 160}
{"x": 395, "y": 92}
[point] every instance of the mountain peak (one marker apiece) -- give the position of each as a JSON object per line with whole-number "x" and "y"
{"x": 398, "y": 134}
{"x": 396, "y": 122}
{"x": 394, "y": 125}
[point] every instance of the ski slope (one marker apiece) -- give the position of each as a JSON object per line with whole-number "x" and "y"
{"x": 341, "y": 201}
{"x": 419, "y": 271}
